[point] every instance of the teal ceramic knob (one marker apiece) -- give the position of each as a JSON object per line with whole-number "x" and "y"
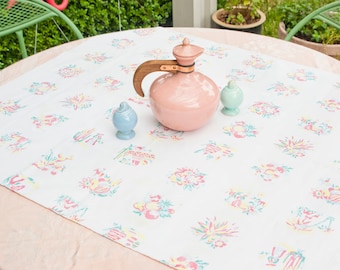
{"x": 231, "y": 98}
{"x": 125, "y": 120}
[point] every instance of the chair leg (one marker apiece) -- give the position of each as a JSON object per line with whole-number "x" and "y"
{"x": 22, "y": 43}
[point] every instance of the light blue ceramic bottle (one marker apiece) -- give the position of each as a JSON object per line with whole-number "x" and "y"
{"x": 231, "y": 98}
{"x": 125, "y": 120}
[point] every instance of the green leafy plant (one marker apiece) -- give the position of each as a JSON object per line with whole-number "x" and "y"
{"x": 292, "y": 11}
{"x": 240, "y": 12}
{"x": 92, "y": 17}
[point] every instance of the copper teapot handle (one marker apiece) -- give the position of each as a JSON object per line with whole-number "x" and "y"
{"x": 157, "y": 65}
{"x": 147, "y": 67}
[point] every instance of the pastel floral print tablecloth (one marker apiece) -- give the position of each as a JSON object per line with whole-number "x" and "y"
{"x": 260, "y": 190}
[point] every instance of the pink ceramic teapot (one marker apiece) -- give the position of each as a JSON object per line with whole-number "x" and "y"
{"x": 182, "y": 99}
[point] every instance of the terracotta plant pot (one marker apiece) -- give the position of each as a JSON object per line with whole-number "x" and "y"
{"x": 252, "y": 28}
{"x": 331, "y": 50}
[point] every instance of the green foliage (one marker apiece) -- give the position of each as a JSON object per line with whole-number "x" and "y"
{"x": 92, "y": 17}
{"x": 240, "y": 12}
{"x": 292, "y": 11}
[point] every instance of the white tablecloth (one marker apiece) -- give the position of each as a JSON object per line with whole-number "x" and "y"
{"x": 259, "y": 189}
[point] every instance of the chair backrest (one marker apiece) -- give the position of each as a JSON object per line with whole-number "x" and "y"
{"x": 26, "y": 13}
{"x": 324, "y": 13}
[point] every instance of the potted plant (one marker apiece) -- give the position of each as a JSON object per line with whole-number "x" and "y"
{"x": 316, "y": 34}
{"x": 242, "y": 15}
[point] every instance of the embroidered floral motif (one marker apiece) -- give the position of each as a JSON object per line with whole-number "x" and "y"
{"x": 122, "y": 43}
{"x": 294, "y": 147}
{"x": 135, "y": 155}
{"x": 302, "y": 75}
{"x": 284, "y": 258}
{"x": 215, "y": 51}
{"x": 89, "y": 136}
{"x": 214, "y": 233}
{"x": 269, "y": 172}
{"x": 184, "y": 263}
{"x": 126, "y": 236}
{"x": 241, "y": 75}
{"x": 317, "y": 127}
{"x": 78, "y": 102}
{"x": 245, "y": 202}
{"x": 264, "y": 109}
{"x": 307, "y": 220}
{"x": 69, "y": 208}
{"x": 162, "y": 132}
{"x": 109, "y": 83}
{"x": 100, "y": 184}
{"x": 330, "y": 105}
{"x": 139, "y": 100}
{"x": 42, "y": 88}
{"x": 215, "y": 151}
{"x": 258, "y": 62}
{"x": 70, "y": 71}
{"x": 128, "y": 69}
{"x": 240, "y": 129}
{"x": 282, "y": 89}
{"x": 15, "y": 141}
{"x": 188, "y": 178}
{"x": 154, "y": 207}
{"x": 329, "y": 192}
{"x": 20, "y": 183}
{"x": 157, "y": 54}
{"x": 48, "y": 120}
{"x": 96, "y": 58}
{"x": 52, "y": 163}
{"x": 9, "y": 107}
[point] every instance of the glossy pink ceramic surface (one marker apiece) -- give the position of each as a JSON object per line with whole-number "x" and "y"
{"x": 184, "y": 101}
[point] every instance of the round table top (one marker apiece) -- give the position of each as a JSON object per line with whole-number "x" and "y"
{"x": 27, "y": 227}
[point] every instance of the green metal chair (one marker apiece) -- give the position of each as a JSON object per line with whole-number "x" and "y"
{"x": 26, "y": 13}
{"x": 329, "y": 13}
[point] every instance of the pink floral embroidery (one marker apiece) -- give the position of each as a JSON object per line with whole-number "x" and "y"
{"x": 187, "y": 178}
{"x": 294, "y": 147}
{"x": 285, "y": 259}
{"x": 215, "y": 234}
{"x": 52, "y": 163}
{"x": 126, "y": 236}
{"x": 48, "y": 120}
{"x": 330, "y": 105}
{"x": 9, "y": 107}
{"x": 20, "y": 183}
{"x": 100, "y": 184}
{"x": 329, "y": 192}
{"x": 78, "y": 102}
{"x": 258, "y": 62}
{"x": 240, "y": 129}
{"x": 317, "y": 127}
{"x": 154, "y": 207}
{"x": 302, "y": 75}
{"x": 212, "y": 150}
{"x": 70, "y": 71}
{"x": 281, "y": 89}
{"x": 307, "y": 220}
{"x": 42, "y": 88}
{"x": 69, "y": 208}
{"x": 135, "y": 155}
{"x": 246, "y": 203}
{"x": 269, "y": 172}
{"x": 264, "y": 109}
{"x": 184, "y": 263}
